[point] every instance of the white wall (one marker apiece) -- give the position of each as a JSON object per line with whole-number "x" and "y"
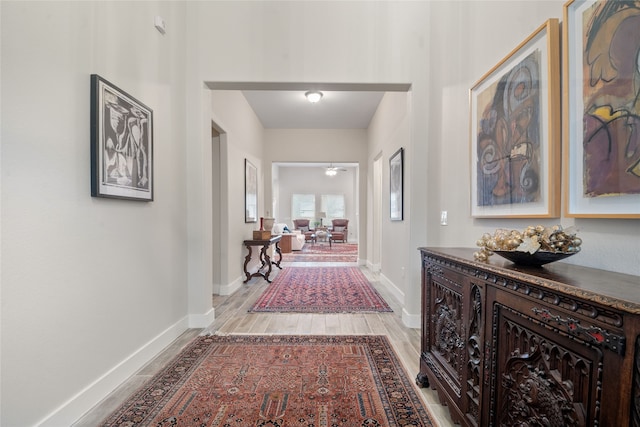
{"x": 470, "y": 51}
{"x": 313, "y": 180}
{"x": 113, "y": 281}
{"x": 331, "y": 42}
{"x": 91, "y": 288}
{"x": 321, "y": 145}
{"x": 244, "y": 140}
{"x": 388, "y": 132}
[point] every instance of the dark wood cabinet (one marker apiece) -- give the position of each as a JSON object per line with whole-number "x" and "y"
{"x": 506, "y": 345}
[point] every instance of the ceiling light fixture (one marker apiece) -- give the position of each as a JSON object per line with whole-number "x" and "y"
{"x": 313, "y": 96}
{"x": 331, "y": 170}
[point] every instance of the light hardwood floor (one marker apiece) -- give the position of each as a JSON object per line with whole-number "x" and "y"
{"x": 232, "y": 317}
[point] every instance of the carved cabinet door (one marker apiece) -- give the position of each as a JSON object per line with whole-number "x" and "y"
{"x": 446, "y": 334}
{"x": 539, "y": 376}
{"x": 454, "y": 343}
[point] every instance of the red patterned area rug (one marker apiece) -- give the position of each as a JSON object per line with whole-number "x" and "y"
{"x": 322, "y": 252}
{"x": 320, "y": 290}
{"x": 278, "y": 381}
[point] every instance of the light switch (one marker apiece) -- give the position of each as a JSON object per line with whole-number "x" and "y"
{"x": 159, "y": 23}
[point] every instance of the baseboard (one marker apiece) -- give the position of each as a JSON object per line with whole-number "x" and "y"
{"x": 373, "y": 267}
{"x": 231, "y": 287}
{"x": 395, "y": 291}
{"x": 411, "y": 320}
{"x": 78, "y": 405}
{"x": 202, "y": 320}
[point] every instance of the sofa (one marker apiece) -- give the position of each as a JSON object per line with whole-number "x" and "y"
{"x": 297, "y": 241}
{"x": 297, "y": 238}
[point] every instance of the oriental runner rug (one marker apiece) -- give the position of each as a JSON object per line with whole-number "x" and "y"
{"x": 278, "y": 381}
{"x": 322, "y": 252}
{"x": 320, "y": 290}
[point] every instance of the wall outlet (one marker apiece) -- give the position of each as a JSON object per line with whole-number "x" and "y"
{"x": 443, "y": 218}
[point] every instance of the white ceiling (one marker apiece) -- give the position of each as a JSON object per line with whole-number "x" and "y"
{"x": 282, "y": 109}
{"x": 284, "y": 106}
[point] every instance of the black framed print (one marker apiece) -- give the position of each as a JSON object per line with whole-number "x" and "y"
{"x": 396, "y": 191}
{"x": 121, "y": 144}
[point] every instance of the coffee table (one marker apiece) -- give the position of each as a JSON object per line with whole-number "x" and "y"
{"x": 323, "y": 236}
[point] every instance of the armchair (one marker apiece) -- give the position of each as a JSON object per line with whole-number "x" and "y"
{"x": 340, "y": 230}
{"x": 303, "y": 226}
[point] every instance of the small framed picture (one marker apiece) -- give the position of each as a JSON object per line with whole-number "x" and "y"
{"x": 515, "y": 132}
{"x": 396, "y": 178}
{"x": 250, "y": 192}
{"x": 121, "y": 144}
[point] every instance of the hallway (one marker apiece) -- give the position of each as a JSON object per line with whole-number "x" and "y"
{"x": 232, "y": 317}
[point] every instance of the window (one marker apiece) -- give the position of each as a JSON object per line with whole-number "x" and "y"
{"x": 303, "y": 206}
{"x": 333, "y": 205}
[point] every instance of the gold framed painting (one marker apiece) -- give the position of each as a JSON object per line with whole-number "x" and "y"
{"x": 601, "y": 135}
{"x": 515, "y": 132}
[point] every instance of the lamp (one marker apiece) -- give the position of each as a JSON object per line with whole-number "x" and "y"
{"x": 322, "y": 215}
{"x": 331, "y": 172}
{"x": 313, "y": 96}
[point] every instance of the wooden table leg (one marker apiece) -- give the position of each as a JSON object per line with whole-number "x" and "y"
{"x": 246, "y": 261}
{"x": 263, "y": 252}
{"x": 267, "y": 261}
{"x": 279, "y": 252}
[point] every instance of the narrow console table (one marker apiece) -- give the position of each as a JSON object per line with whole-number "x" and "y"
{"x": 265, "y": 259}
{"x": 506, "y": 345}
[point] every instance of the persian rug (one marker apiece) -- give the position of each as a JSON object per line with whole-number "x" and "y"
{"x": 322, "y": 252}
{"x": 320, "y": 290}
{"x": 278, "y": 381}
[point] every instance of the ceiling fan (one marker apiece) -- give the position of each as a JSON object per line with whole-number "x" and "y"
{"x": 333, "y": 170}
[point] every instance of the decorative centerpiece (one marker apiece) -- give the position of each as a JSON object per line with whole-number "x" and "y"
{"x": 535, "y": 246}
{"x": 267, "y": 223}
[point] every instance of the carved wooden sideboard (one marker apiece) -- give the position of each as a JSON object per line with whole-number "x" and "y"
{"x": 506, "y": 345}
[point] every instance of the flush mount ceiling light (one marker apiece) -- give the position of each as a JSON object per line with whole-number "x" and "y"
{"x": 313, "y": 96}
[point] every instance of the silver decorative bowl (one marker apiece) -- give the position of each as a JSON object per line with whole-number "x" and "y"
{"x": 536, "y": 259}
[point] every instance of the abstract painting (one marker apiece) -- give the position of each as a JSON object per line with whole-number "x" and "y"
{"x": 121, "y": 144}
{"x": 515, "y": 131}
{"x": 602, "y": 108}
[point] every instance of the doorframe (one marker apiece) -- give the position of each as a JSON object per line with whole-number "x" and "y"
{"x": 376, "y": 205}
{"x": 219, "y": 215}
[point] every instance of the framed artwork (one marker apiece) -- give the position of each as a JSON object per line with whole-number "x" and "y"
{"x": 601, "y": 140}
{"x": 250, "y": 192}
{"x": 121, "y": 144}
{"x": 396, "y": 178}
{"x": 515, "y": 132}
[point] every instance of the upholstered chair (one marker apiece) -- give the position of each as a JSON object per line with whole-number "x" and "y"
{"x": 340, "y": 230}
{"x": 303, "y": 226}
